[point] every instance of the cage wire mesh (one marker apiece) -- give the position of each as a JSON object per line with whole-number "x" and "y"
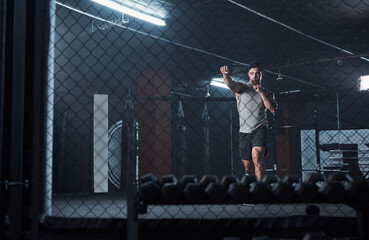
{"x": 105, "y": 62}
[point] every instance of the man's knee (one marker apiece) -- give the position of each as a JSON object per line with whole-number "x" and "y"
{"x": 256, "y": 155}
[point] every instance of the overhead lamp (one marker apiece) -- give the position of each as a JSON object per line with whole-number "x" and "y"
{"x": 218, "y": 82}
{"x": 129, "y": 11}
{"x": 363, "y": 83}
{"x": 279, "y": 76}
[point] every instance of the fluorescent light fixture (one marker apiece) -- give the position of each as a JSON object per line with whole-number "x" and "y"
{"x": 363, "y": 83}
{"x": 131, "y": 12}
{"x": 218, "y": 79}
{"x": 218, "y": 82}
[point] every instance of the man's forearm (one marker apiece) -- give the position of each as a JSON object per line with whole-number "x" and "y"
{"x": 232, "y": 85}
{"x": 269, "y": 102}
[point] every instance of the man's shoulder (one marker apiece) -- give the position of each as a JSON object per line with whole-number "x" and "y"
{"x": 267, "y": 91}
{"x": 245, "y": 87}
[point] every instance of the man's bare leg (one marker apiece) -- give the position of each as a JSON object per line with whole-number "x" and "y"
{"x": 258, "y": 160}
{"x": 249, "y": 167}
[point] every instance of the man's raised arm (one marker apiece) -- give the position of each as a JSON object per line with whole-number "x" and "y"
{"x": 232, "y": 85}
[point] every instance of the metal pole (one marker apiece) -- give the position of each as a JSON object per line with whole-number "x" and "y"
{"x": 338, "y": 111}
{"x": 49, "y": 127}
{"x": 19, "y": 76}
{"x": 129, "y": 155}
{"x": 4, "y": 52}
{"x": 317, "y": 141}
{"x": 179, "y": 167}
{"x": 205, "y": 120}
{"x": 40, "y": 78}
{"x": 231, "y": 134}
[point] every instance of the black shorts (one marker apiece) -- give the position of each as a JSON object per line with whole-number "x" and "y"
{"x": 257, "y": 138}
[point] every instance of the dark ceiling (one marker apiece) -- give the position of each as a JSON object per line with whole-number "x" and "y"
{"x": 314, "y": 44}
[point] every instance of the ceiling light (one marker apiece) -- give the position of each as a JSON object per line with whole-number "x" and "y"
{"x": 363, "y": 83}
{"x": 219, "y": 82}
{"x": 218, "y": 79}
{"x": 279, "y": 77}
{"x": 131, "y": 12}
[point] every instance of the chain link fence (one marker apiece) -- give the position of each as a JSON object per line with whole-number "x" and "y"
{"x": 111, "y": 70}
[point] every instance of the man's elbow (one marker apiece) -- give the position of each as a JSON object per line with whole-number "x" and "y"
{"x": 273, "y": 109}
{"x": 233, "y": 86}
{"x": 234, "y": 90}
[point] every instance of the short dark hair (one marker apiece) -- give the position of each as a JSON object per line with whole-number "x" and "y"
{"x": 255, "y": 64}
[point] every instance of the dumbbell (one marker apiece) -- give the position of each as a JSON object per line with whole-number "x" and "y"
{"x": 195, "y": 191}
{"x": 149, "y": 191}
{"x": 170, "y": 178}
{"x": 261, "y": 191}
{"x": 215, "y": 192}
{"x": 357, "y": 191}
{"x": 249, "y": 179}
{"x": 239, "y": 192}
{"x": 171, "y": 191}
{"x": 333, "y": 190}
{"x": 149, "y": 177}
{"x": 339, "y": 176}
{"x": 207, "y": 179}
{"x": 315, "y": 178}
{"x": 284, "y": 191}
{"x": 227, "y": 180}
{"x": 292, "y": 179}
{"x": 187, "y": 179}
{"x": 219, "y": 192}
{"x": 307, "y": 191}
{"x": 271, "y": 179}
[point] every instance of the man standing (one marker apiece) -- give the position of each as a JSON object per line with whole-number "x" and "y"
{"x": 253, "y": 101}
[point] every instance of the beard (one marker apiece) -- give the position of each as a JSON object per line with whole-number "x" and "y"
{"x": 255, "y": 81}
